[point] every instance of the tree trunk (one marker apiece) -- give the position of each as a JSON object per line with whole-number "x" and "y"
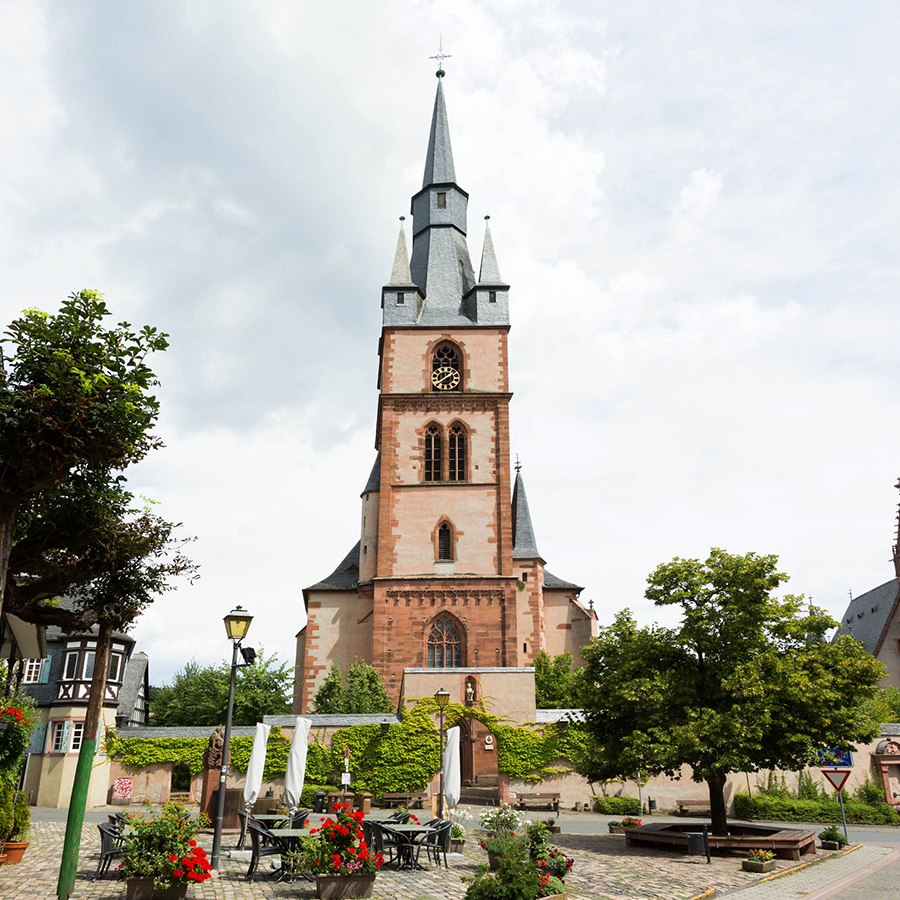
{"x": 717, "y": 804}
{"x": 8, "y": 509}
{"x": 75, "y": 822}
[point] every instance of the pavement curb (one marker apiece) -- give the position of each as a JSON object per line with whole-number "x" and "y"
{"x": 835, "y": 854}
{"x": 705, "y": 895}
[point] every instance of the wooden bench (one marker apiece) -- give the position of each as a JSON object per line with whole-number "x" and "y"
{"x": 538, "y": 801}
{"x": 408, "y": 800}
{"x": 694, "y": 806}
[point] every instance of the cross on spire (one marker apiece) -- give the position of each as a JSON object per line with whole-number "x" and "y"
{"x": 440, "y": 56}
{"x": 518, "y": 464}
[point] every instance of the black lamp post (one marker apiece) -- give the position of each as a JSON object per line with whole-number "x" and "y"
{"x": 442, "y": 698}
{"x": 237, "y": 622}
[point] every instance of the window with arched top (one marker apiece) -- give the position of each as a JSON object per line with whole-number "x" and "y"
{"x": 446, "y": 368}
{"x": 433, "y": 439}
{"x": 456, "y": 452}
{"x": 444, "y": 643}
{"x": 445, "y": 541}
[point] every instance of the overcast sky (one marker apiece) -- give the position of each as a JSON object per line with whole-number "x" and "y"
{"x": 696, "y": 205}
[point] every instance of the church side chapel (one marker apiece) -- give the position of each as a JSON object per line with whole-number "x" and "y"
{"x": 446, "y": 583}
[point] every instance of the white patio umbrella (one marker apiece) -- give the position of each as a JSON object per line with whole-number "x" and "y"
{"x": 296, "y": 765}
{"x": 256, "y": 765}
{"x": 452, "y": 774}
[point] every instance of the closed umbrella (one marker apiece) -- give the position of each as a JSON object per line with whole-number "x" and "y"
{"x": 296, "y": 765}
{"x": 256, "y": 765}
{"x": 452, "y": 775}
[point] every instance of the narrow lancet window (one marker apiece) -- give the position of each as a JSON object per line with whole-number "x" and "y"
{"x": 457, "y": 453}
{"x": 432, "y": 453}
{"x": 445, "y": 541}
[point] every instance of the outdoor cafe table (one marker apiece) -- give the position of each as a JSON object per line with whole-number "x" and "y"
{"x": 409, "y": 833}
{"x": 289, "y": 838}
{"x": 270, "y": 817}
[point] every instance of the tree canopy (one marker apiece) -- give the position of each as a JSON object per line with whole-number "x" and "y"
{"x": 198, "y": 695}
{"x": 363, "y": 693}
{"x": 556, "y": 683}
{"x": 746, "y": 681}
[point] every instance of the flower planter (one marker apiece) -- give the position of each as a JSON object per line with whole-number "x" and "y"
{"x": 2, "y": 858}
{"x": 457, "y": 844}
{"x": 617, "y": 829}
{"x": 143, "y": 889}
{"x": 493, "y": 861}
{"x": 335, "y": 887}
{"x": 826, "y": 845}
{"x": 14, "y": 851}
{"x": 752, "y": 865}
{"x": 555, "y": 829}
{"x": 563, "y": 896}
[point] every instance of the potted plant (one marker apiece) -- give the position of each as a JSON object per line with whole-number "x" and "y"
{"x": 15, "y": 821}
{"x": 337, "y": 853}
{"x": 17, "y": 723}
{"x": 501, "y": 818}
{"x": 759, "y": 861}
{"x": 550, "y": 860}
{"x": 517, "y": 876}
{"x": 498, "y": 845}
{"x": 619, "y": 827}
{"x": 551, "y": 824}
{"x": 161, "y": 857}
{"x": 457, "y": 829}
{"x": 832, "y": 838}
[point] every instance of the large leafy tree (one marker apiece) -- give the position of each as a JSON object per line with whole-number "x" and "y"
{"x": 746, "y": 681}
{"x": 364, "y": 691}
{"x": 75, "y": 396}
{"x": 556, "y": 683}
{"x": 198, "y": 695}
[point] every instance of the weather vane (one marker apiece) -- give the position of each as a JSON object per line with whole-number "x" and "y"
{"x": 440, "y": 56}
{"x": 518, "y": 464}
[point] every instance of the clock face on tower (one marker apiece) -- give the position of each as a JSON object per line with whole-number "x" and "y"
{"x": 445, "y": 378}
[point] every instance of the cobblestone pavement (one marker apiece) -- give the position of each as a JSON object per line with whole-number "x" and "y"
{"x": 602, "y": 871}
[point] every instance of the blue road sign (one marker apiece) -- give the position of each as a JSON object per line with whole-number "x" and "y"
{"x": 838, "y": 759}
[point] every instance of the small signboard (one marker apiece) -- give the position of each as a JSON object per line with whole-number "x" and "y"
{"x": 838, "y": 759}
{"x": 122, "y": 789}
{"x": 836, "y": 777}
{"x": 345, "y": 778}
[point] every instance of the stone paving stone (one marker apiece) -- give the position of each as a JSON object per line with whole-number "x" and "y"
{"x": 603, "y": 870}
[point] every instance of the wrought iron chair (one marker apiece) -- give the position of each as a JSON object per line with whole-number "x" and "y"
{"x": 262, "y": 843}
{"x": 436, "y": 843}
{"x": 110, "y": 847}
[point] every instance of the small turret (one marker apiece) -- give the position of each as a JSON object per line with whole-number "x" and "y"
{"x": 488, "y": 302}
{"x": 401, "y": 300}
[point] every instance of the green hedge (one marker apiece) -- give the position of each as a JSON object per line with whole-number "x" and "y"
{"x": 777, "y": 808}
{"x": 617, "y": 806}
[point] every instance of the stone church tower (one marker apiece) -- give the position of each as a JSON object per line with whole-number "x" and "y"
{"x": 446, "y": 574}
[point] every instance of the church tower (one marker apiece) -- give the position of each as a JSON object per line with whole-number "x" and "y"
{"x": 446, "y": 574}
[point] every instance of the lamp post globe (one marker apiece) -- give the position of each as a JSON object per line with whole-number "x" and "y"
{"x": 237, "y": 623}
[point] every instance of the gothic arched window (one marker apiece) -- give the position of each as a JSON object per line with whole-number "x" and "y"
{"x": 444, "y": 644}
{"x": 433, "y": 453}
{"x": 446, "y": 370}
{"x": 457, "y": 453}
{"x": 445, "y": 541}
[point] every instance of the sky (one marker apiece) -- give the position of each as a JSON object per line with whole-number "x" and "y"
{"x": 696, "y": 206}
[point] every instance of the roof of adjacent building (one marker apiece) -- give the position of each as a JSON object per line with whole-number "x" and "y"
{"x": 869, "y": 614}
{"x": 552, "y": 582}
{"x": 374, "y": 482}
{"x": 555, "y": 715}
{"x": 345, "y": 577}
{"x": 175, "y": 731}
{"x": 55, "y": 633}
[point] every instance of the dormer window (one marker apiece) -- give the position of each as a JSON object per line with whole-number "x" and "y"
{"x": 441, "y": 200}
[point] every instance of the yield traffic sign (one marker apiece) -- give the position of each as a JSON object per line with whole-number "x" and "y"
{"x": 837, "y": 777}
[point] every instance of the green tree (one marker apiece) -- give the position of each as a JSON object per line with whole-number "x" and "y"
{"x": 556, "y": 683}
{"x": 747, "y": 681}
{"x": 74, "y": 396}
{"x": 198, "y": 695}
{"x": 363, "y": 693}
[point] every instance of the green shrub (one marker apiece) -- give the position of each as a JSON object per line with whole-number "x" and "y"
{"x": 308, "y": 794}
{"x": 870, "y": 791}
{"x": 778, "y": 808}
{"x": 617, "y": 806}
{"x": 833, "y": 833}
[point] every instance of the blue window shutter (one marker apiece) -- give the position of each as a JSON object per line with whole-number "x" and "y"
{"x": 44, "y": 677}
{"x": 38, "y": 737}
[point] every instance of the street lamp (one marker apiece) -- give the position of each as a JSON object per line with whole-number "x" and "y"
{"x": 442, "y": 698}
{"x": 237, "y": 623}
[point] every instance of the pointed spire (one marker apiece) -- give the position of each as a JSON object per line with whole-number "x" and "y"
{"x": 400, "y": 272}
{"x": 439, "y": 160}
{"x": 490, "y": 271}
{"x": 524, "y": 544}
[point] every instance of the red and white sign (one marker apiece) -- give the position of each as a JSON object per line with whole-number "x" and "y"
{"x": 837, "y": 777}
{"x": 122, "y": 788}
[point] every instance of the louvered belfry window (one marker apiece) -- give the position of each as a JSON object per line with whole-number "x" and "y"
{"x": 457, "y": 453}
{"x": 432, "y": 453}
{"x": 445, "y": 541}
{"x": 444, "y": 644}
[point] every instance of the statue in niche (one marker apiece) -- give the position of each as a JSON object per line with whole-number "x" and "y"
{"x": 212, "y": 756}
{"x": 470, "y": 691}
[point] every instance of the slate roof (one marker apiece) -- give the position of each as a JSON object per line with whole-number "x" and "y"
{"x": 172, "y": 731}
{"x": 374, "y": 482}
{"x": 552, "y": 582}
{"x": 341, "y": 721}
{"x": 524, "y": 543}
{"x": 869, "y": 614}
{"x": 135, "y": 676}
{"x": 439, "y": 158}
{"x": 54, "y": 632}
{"x": 345, "y": 577}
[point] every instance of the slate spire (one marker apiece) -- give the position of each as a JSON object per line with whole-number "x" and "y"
{"x": 490, "y": 271}
{"x": 524, "y": 544}
{"x": 439, "y": 159}
{"x": 400, "y": 271}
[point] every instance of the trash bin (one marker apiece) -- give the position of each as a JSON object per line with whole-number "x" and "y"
{"x": 319, "y": 802}
{"x": 695, "y": 846}
{"x": 335, "y": 797}
{"x": 363, "y": 803}
{"x": 651, "y": 806}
